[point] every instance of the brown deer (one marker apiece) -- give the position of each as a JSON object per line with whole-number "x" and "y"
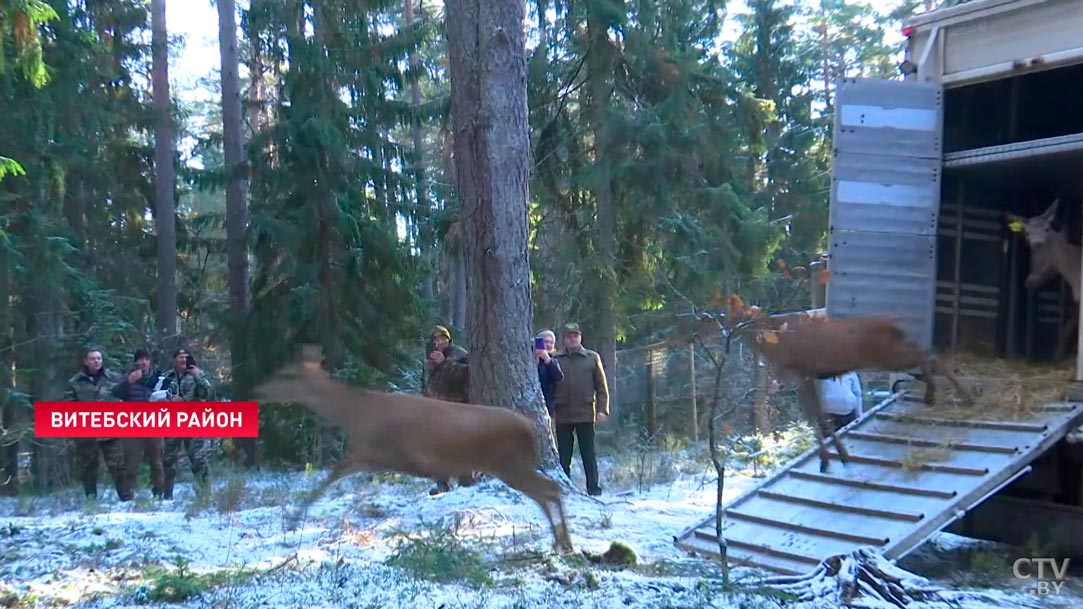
{"x": 805, "y": 349}
{"x": 422, "y": 436}
{"x": 1051, "y": 254}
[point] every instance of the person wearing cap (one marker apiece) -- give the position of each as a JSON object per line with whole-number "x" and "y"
{"x": 582, "y": 399}
{"x": 448, "y": 379}
{"x": 137, "y": 386}
{"x": 186, "y": 383}
{"x": 446, "y": 372}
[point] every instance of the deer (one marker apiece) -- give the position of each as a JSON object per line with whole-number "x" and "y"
{"x": 1051, "y": 253}
{"x": 804, "y": 349}
{"x": 421, "y": 436}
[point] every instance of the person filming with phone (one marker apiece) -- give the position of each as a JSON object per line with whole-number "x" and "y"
{"x": 186, "y": 383}
{"x": 549, "y": 372}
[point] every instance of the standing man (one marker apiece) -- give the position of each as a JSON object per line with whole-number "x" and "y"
{"x": 549, "y": 372}
{"x": 94, "y": 383}
{"x": 141, "y": 381}
{"x": 840, "y": 398}
{"x": 186, "y": 383}
{"x": 448, "y": 379}
{"x": 582, "y": 399}
{"x": 446, "y": 372}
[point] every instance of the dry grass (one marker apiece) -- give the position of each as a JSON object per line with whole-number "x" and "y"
{"x": 918, "y": 456}
{"x": 1002, "y": 389}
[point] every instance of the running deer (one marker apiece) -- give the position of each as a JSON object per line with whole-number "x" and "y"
{"x": 1051, "y": 253}
{"x": 421, "y": 436}
{"x": 804, "y": 349}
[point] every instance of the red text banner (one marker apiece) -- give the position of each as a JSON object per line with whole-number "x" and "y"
{"x": 146, "y": 419}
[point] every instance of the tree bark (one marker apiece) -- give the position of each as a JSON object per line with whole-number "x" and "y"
{"x": 164, "y": 184}
{"x": 486, "y": 54}
{"x": 236, "y": 209}
{"x": 9, "y": 447}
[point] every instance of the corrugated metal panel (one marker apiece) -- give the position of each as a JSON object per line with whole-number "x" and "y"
{"x": 865, "y": 184}
{"x": 885, "y": 197}
{"x": 911, "y": 474}
{"x": 884, "y": 273}
{"x": 1041, "y": 29}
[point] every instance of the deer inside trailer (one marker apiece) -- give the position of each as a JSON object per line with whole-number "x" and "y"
{"x": 985, "y": 122}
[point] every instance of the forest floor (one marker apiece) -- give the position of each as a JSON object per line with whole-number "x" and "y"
{"x": 382, "y": 542}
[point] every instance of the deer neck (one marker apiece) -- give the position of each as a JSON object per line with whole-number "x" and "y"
{"x": 1065, "y": 257}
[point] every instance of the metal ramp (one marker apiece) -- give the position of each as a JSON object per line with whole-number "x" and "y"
{"x": 910, "y": 475}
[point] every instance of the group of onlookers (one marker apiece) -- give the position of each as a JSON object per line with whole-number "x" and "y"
{"x": 184, "y": 381}
{"x": 573, "y": 384}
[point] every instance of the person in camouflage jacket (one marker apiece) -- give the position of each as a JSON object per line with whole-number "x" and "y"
{"x": 448, "y": 378}
{"x": 186, "y": 383}
{"x": 94, "y": 383}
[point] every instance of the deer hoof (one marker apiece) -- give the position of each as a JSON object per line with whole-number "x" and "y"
{"x": 823, "y": 466}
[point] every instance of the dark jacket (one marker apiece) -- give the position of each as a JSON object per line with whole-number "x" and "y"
{"x": 583, "y": 393}
{"x": 450, "y": 379}
{"x": 138, "y": 391}
{"x": 549, "y": 374}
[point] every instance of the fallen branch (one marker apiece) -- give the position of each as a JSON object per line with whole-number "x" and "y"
{"x": 846, "y": 579}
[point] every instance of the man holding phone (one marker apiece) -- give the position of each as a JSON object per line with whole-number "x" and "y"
{"x": 448, "y": 378}
{"x": 549, "y": 372}
{"x": 186, "y": 383}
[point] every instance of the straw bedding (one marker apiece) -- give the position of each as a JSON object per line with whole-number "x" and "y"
{"x": 1002, "y": 389}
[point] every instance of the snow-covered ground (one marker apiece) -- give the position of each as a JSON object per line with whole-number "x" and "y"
{"x": 249, "y": 544}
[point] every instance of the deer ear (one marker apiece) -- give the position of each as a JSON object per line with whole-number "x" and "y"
{"x": 1051, "y": 213}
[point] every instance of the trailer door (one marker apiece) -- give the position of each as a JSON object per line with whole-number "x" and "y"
{"x": 885, "y": 199}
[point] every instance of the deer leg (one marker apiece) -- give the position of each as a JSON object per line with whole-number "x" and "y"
{"x": 810, "y": 404}
{"x": 544, "y": 492}
{"x": 931, "y": 366}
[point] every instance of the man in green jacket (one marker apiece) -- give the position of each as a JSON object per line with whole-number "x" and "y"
{"x": 186, "y": 382}
{"x": 94, "y": 383}
{"x": 582, "y": 399}
{"x": 447, "y": 377}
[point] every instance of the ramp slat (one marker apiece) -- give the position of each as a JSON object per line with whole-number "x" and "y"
{"x": 841, "y": 507}
{"x": 878, "y": 486}
{"x": 799, "y": 516}
{"x": 892, "y": 439}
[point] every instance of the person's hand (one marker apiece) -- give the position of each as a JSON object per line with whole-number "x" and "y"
{"x": 174, "y": 398}
{"x": 601, "y": 417}
{"x": 135, "y": 375}
{"x": 436, "y": 357}
{"x": 542, "y": 355}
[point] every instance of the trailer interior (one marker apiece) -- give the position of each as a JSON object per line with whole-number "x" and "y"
{"x": 1010, "y": 145}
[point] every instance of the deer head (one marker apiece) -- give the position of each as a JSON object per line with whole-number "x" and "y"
{"x": 1035, "y": 230}
{"x": 282, "y": 385}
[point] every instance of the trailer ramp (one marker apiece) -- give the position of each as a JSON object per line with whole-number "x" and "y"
{"x": 910, "y": 475}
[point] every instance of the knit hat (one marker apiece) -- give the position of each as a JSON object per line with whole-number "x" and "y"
{"x": 440, "y": 331}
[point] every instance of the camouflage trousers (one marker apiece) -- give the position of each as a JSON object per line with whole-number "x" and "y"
{"x": 86, "y": 451}
{"x": 137, "y": 450}
{"x": 196, "y": 449}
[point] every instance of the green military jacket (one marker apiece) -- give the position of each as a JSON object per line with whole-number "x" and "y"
{"x": 450, "y": 379}
{"x": 85, "y": 387}
{"x": 188, "y": 387}
{"x": 583, "y": 393}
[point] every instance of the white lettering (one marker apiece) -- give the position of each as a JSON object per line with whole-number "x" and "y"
{"x": 1015, "y": 568}
{"x": 182, "y": 417}
{"x": 58, "y": 419}
{"x": 235, "y": 420}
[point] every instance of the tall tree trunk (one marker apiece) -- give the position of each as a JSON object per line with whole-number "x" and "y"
{"x": 9, "y": 447}
{"x": 50, "y": 461}
{"x": 164, "y": 184}
{"x": 486, "y": 51}
{"x": 423, "y": 209}
{"x": 601, "y": 91}
{"x": 236, "y": 210}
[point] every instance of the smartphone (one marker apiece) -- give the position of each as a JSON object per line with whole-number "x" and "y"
{"x": 539, "y": 343}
